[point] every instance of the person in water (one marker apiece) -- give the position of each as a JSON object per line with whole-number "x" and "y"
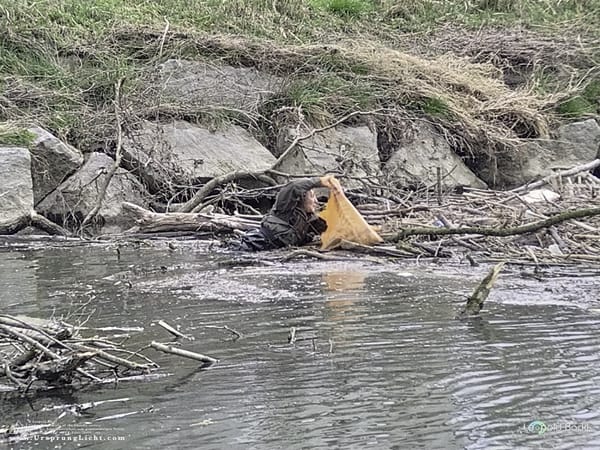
{"x": 293, "y": 219}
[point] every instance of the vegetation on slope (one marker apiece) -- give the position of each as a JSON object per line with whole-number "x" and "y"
{"x": 446, "y": 61}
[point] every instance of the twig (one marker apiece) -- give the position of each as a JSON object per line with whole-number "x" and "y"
{"x": 311, "y": 254}
{"x": 173, "y": 331}
{"x": 11, "y": 377}
{"x": 23, "y": 337}
{"x": 292, "y": 335}
{"x": 320, "y": 130}
{"x": 108, "y": 357}
{"x": 236, "y": 335}
{"x": 162, "y": 39}
{"x": 183, "y": 353}
{"x": 116, "y": 164}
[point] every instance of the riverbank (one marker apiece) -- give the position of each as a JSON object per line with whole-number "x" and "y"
{"x": 208, "y": 110}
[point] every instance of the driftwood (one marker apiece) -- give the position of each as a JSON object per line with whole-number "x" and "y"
{"x": 475, "y": 301}
{"x": 173, "y": 331}
{"x": 36, "y": 220}
{"x": 152, "y": 222}
{"x": 489, "y": 225}
{"x": 41, "y": 354}
{"x": 236, "y": 334}
{"x": 558, "y": 218}
{"x": 183, "y": 353}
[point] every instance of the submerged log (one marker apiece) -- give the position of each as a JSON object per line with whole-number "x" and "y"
{"x": 152, "y": 222}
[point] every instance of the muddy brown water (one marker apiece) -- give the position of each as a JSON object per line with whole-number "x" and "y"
{"x": 380, "y": 361}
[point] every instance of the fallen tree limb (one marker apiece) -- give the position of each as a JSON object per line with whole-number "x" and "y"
{"x": 501, "y": 232}
{"x": 36, "y": 220}
{"x": 39, "y": 221}
{"x": 101, "y": 354}
{"x": 12, "y": 226}
{"x": 38, "y": 333}
{"x": 152, "y": 222}
{"x": 214, "y": 183}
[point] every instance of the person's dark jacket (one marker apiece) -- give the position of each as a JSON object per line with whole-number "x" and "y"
{"x": 287, "y": 224}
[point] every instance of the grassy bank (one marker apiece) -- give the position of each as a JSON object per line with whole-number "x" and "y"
{"x": 59, "y": 61}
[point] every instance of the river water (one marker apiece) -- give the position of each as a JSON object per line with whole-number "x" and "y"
{"x": 379, "y": 362}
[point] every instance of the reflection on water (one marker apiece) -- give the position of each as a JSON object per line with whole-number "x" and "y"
{"x": 379, "y": 362}
{"x": 342, "y": 290}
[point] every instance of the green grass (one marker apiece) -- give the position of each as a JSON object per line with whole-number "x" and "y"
{"x": 322, "y": 99}
{"x": 435, "y": 107}
{"x": 345, "y": 8}
{"x": 286, "y": 20}
{"x": 576, "y": 107}
{"x": 591, "y": 93}
{"x": 584, "y": 104}
{"x": 11, "y": 135}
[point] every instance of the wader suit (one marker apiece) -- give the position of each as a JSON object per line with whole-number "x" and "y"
{"x": 287, "y": 224}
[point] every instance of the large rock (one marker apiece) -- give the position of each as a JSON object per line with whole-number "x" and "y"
{"x": 78, "y": 195}
{"x": 415, "y": 162}
{"x": 575, "y": 144}
{"x": 52, "y": 162}
{"x": 183, "y": 153}
{"x": 210, "y": 85}
{"x": 16, "y": 188}
{"x": 352, "y": 150}
{"x": 572, "y": 145}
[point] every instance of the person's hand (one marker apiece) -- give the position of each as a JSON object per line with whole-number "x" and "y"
{"x": 327, "y": 180}
{"x": 331, "y": 182}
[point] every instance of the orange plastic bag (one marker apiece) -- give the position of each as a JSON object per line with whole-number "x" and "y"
{"x": 344, "y": 222}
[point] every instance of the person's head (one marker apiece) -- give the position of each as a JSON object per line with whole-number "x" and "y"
{"x": 310, "y": 203}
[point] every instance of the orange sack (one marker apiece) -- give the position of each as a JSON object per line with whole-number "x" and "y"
{"x": 344, "y": 222}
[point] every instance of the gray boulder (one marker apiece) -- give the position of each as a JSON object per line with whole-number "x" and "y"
{"x": 52, "y": 162}
{"x": 574, "y": 144}
{"x": 78, "y": 195}
{"x": 211, "y": 85}
{"x": 16, "y": 191}
{"x": 183, "y": 153}
{"x": 351, "y": 150}
{"x": 415, "y": 162}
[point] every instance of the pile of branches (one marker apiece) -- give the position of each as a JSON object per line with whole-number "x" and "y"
{"x": 39, "y": 354}
{"x": 554, "y": 221}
